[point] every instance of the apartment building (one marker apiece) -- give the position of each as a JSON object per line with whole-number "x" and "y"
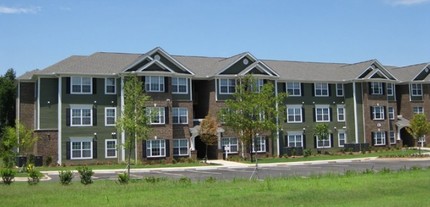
{"x": 73, "y": 105}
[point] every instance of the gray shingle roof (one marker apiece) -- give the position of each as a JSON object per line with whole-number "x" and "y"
{"x": 408, "y": 73}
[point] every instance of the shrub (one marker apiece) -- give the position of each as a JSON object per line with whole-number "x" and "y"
{"x": 48, "y": 161}
{"x": 123, "y": 178}
{"x": 210, "y": 179}
{"x": 33, "y": 175}
{"x": 385, "y": 170}
{"x": 307, "y": 152}
{"x": 152, "y": 179}
{"x": 66, "y": 177}
{"x": 85, "y": 174}
{"x": 185, "y": 180}
{"x": 8, "y": 176}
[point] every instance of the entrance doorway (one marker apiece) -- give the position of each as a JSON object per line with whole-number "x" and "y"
{"x": 201, "y": 150}
{"x": 407, "y": 139}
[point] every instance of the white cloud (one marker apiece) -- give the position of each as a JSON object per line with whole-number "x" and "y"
{"x": 19, "y": 10}
{"x": 406, "y": 2}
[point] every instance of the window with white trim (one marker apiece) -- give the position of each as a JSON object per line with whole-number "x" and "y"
{"x": 259, "y": 84}
{"x": 391, "y": 114}
{"x": 227, "y": 86}
{"x": 339, "y": 90}
{"x": 180, "y": 85}
{"x": 324, "y": 143}
{"x": 231, "y": 143}
{"x": 340, "y": 113}
{"x": 376, "y": 88}
{"x": 378, "y": 113}
{"x": 156, "y": 115}
{"x": 294, "y": 113}
{"x": 392, "y": 137}
{"x": 418, "y": 110}
{"x": 416, "y": 89}
{"x": 180, "y": 115}
{"x": 81, "y": 115}
{"x": 156, "y": 148}
{"x": 180, "y": 147}
{"x": 154, "y": 83}
{"x": 259, "y": 144}
{"x": 390, "y": 89}
{"x": 321, "y": 89}
{"x": 81, "y": 85}
{"x": 110, "y": 86}
{"x": 81, "y": 148}
{"x": 295, "y": 139}
{"x": 341, "y": 135}
{"x": 110, "y": 148}
{"x": 322, "y": 113}
{"x": 294, "y": 88}
{"x": 379, "y": 138}
{"x": 110, "y": 116}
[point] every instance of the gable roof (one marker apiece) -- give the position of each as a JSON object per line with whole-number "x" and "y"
{"x": 410, "y": 73}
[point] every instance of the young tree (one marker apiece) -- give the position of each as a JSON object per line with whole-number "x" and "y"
{"x": 322, "y": 132}
{"x": 134, "y": 120}
{"x": 7, "y": 99}
{"x": 208, "y": 132}
{"x": 253, "y": 110}
{"x": 418, "y": 128}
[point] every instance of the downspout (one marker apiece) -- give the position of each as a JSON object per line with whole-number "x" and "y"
{"x": 122, "y": 112}
{"x": 38, "y": 104}
{"x": 277, "y": 121}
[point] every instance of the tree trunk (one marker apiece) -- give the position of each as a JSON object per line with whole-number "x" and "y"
{"x": 206, "y": 154}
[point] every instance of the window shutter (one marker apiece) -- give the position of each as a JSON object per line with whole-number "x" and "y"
{"x": 303, "y": 114}
{"x": 94, "y": 116}
{"x": 331, "y": 140}
{"x": 94, "y": 85}
{"x": 302, "y": 89}
{"x": 385, "y": 112}
{"x": 94, "y": 149}
{"x": 315, "y": 143}
{"x": 330, "y": 110}
{"x": 314, "y": 114}
{"x": 166, "y": 115}
{"x": 142, "y": 79}
{"x": 267, "y": 145}
{"x": 373, "y": 138}
{"x": 144, "y": 148}
{"x": 304, "y": 141}
{"x": 313, "y": 89}
{"x": 166, "y": 84}
{"x": 369, "y": 88}
{"x": 68, "y": 85}
{"x": 371, "y": 112}
{"x": 67, "y": 116}
{"x": 67, "y": 151}
{"x": 383, "y": 88}
{"x": 167, "y": 148}
{"x": 329, "y": 89}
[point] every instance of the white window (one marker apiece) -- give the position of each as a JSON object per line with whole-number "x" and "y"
{"x": 156, "y": 115}
{"x": 227, "y": 86}
{"x": 180, "y": 147}
{"x": 294, "y": 113}
{"x": 180, "y": 85}
{"x": 110, "y": 150}
{"x": 378, "y": 113}
{"x": 259, "y": 144}
{"x": 81, "y": 115}
{"x": 322, "y": 113}
{"x": 391, "y": 114}
{"x": 81, "y": 148}
{"x": 341, "y": 138}
{"x": 294, "y": 89}
{"x": 376, "y": 88}
{"x": 321, "y": 89}
{"x": 81, "y": 85}
{"x": 392, "y": 137}
{"x": 340, "y": 113}
{"x": 230, "y": 143}
{"x": 110, "y": 116}
{"x": 324, "y": 143}
{"x": 416, "y": 89}
{"x": 156, "y": 148}
{"x": 295, "y": 139}
{"x": 180, "y": 115}
{"x": 259, "y": 84}
{"x": 339, "y": 90}
{"x": 418, "y": 110}
{"x": 110, "y": 86}
{"x": 154, "y": 83}
{"x": 390, "y": 89}
{"x": 379, "y": 138}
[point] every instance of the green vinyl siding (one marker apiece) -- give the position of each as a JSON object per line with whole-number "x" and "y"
{"x": 168, "y": 63}
{"x": 48, "y": 103}
{"x": 238, "y": 67}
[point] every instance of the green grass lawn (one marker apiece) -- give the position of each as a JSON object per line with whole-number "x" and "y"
{"x": 338, "y": 156}
{"x": 405, "y": 188}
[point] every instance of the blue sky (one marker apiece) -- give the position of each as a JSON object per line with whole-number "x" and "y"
{"x": 36, "y": 34}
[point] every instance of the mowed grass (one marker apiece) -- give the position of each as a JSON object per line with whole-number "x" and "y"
{"x": 404, "y": 188}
